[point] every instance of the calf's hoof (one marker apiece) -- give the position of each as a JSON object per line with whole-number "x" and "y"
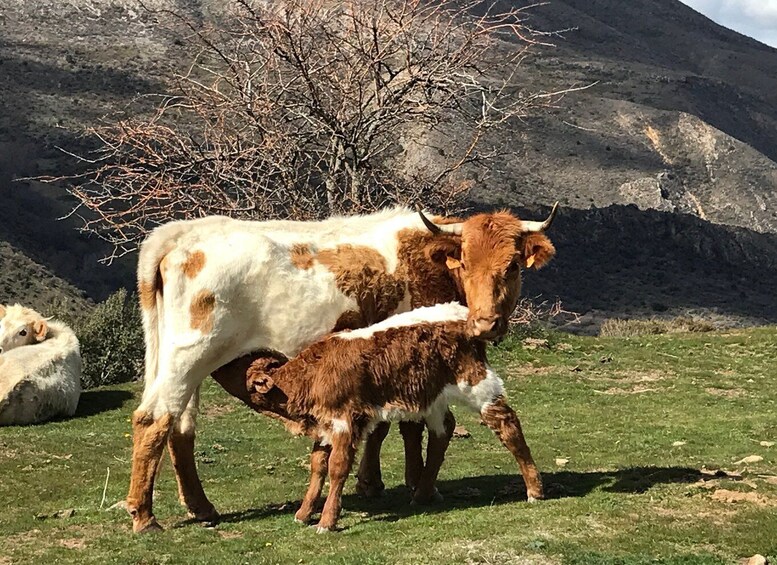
{"x": 370, "y": 489}
{"x": 535, "y": 496}
{"x": 302, "y": 516}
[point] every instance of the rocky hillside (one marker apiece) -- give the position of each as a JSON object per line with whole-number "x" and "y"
{"x": 665, "y": 165}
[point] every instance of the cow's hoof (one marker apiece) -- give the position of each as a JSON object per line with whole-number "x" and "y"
{"x": 321, "y": 530}
{"x": 369, "y": 489}
{"x": 208, "y": 518}
{"x": 535, "y": 498}
{"x": 149, "y": 527}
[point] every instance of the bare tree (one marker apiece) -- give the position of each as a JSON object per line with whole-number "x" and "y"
{"x": 304, "y": 108}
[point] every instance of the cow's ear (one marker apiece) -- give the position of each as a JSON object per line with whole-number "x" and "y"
{"x": 536, "y": 251}
{"x": 441, "y": 250}
{"x": 41, "y": 329}
{"x": 262, "y": 384}
{"x": 2, "y": 311}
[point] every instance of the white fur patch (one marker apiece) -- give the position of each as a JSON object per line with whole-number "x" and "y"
{"x": 340, "y": 426}
{"x": 450, "y": 312}
{"x": 479, "y": 396}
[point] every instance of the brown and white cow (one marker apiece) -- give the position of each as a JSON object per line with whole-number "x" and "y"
{"x": 215, "y": 289}
{"x": 406, "y": 368}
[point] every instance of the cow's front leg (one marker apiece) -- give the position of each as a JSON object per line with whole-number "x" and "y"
{"x": 369, "y": 481}
{"x": 412, "y": 436}
{"x": 319, "y": 463}
{"x": 149, "y": 436}
{"x": 504, "y": 422}
{"x": 440, "y": 434}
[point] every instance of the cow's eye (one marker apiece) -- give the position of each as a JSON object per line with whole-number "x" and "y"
{"x": 23, "y": 333}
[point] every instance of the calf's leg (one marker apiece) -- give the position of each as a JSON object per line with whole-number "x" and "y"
{"x": 369, "y": 481}
{"x": 319, "y": 461}
{"x": 340, "y": 461}
{"x": 504, "y": 422}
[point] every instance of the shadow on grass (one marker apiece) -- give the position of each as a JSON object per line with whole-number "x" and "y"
{"x": 489, "y": 490}
{"x": 96, "y": 401}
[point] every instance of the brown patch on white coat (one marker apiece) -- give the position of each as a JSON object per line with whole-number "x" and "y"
{"x": 193, "y": 264}
{"x": 201, "y": 311}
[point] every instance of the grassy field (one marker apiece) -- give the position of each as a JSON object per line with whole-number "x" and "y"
{"x": 643, "y": 424}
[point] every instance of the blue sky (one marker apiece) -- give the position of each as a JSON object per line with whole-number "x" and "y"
{"x": 755, "y": 18}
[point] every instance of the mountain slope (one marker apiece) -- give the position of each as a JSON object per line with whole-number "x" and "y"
{"x": 680, "y": 121}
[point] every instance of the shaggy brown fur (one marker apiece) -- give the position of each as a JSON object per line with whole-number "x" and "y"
{"x": 360, "y": 272}
{"x": 351, "y": 380}
{"x": 301, "y": 257}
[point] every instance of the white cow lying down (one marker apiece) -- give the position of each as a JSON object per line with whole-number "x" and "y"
{"x": 40, "y": 367}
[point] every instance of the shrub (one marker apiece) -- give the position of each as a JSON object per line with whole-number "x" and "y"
{"x": 615, "y": 327}
{"x": 111, "y": 337}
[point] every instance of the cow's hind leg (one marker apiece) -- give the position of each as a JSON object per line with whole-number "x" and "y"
{"x": 149, "y": 437}
{"x": 440, "y": 434}
{"x": 180, "y": 444}
{"x": 504, "y": 422}
{"x": 164, "y": 402}
{"x": 319, "y": 462}
{"x": 369, "y": 481}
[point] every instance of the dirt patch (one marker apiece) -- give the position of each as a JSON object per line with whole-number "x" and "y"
{"x": 229, "y": 535}
{"x": 528, "y": 371}
{"x": 217, "y": 410}
{"x": 73, "y": 543}
{"x": 726, "y": 392}
{"x": 636, "y": 389}
{"x": 632, "y": 377}
{"x": 733, "y": 496}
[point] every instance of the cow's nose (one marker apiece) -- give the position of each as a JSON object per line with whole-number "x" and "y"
{"x": 483, "y": 325}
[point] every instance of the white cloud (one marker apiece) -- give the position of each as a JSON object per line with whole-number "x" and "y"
{"x": 755, "y": 18}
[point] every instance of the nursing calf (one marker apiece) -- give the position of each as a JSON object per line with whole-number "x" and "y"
{"x": 407, "y": 368}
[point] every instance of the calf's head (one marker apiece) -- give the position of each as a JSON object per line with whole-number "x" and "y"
{"x": 20, "y": 326}
{"x": 487, "y": 265}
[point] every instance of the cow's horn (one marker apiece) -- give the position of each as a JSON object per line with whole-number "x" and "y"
{"x": 452, "y": 229}
{"x": 531, "y": 227}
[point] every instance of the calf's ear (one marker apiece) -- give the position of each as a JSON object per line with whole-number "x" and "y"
{"x": 41, "y": 329}
{"x": 262, "y": 384}
{"x": 536, "y": 250}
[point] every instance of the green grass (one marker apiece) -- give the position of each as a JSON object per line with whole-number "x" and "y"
{"x": 613, "y": 407}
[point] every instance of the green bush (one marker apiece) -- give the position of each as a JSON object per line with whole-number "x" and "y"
{"x": 111, "y": 337}
{"x": 615, "y": 327}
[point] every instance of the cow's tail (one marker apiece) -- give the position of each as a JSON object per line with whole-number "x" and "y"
{"x": 151, "y": 292}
